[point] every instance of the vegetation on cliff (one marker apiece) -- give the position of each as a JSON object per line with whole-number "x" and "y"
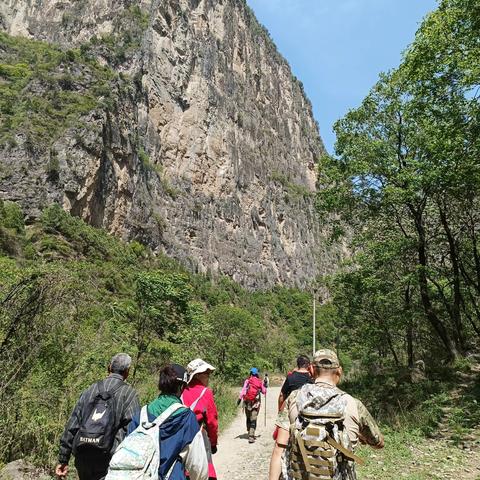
{"x": 45, "y": 90}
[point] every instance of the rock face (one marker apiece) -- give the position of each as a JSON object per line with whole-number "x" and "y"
{"x": 209, "y": 155}
{"x": 21, "y": 470}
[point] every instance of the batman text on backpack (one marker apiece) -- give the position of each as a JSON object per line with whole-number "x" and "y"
{"x": 319, "y": 446}
{"x": 98, "y": 425}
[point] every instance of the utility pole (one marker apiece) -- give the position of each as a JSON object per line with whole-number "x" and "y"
{"x": 314, "y": 333}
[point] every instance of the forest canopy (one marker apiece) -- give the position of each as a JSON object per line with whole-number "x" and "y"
{"x": 406, "y": 179}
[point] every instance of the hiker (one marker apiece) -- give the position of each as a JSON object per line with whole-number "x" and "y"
{"x": 200, "y": 399}
{"x": 266, "y": 380}
{"x": 321, "y": 415}
{"x": 301, "y": 375}
{"x": 250, "y": 394}
{"x": 180, "y": 439}
{"x": 98, "y": 422}
{"x": 296, "y": 379}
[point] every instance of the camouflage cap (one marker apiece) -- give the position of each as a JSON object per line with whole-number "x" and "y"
{"x": 326, "y": 359}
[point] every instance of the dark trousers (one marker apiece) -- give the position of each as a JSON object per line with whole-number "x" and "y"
{"x": 91, "y": 465}
{"x": 251, "y": 421}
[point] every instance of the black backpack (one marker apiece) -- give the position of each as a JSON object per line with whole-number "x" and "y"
{"x": 98, "y": 425}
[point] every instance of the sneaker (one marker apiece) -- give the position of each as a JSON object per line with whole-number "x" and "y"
{"x": 251, "y": 439}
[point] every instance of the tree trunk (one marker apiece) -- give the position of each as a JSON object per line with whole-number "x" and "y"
{"x": 476, "y": 256}
{"x": 388, "y": 337}
{"x": 455, "y": 309}
{"x": 477, "y": 311}
{"x": 409, "y": 327}
{"x": 429, "y": 311}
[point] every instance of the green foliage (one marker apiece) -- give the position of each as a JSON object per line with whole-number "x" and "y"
{"x": 225, "y": 399}
{"x": 143, "y": 157}
{"x": 11, "y": 216}
{"x": 163, "y": 301}
{"x": 403, "y": 189}
{"x": 406, "y": 182}
{"x": 236, "y": 339}
{"x": 294, "y": 190}
{"x": 12, "y": 228}
{"x": 45, "y": 90}
{"x": 72, "y": 296}
{"x": 125, "y": 40}
{"x": 86, "y": 241}
{"x": 411, "y": 426}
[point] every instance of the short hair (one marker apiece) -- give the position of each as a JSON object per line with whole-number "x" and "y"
{"x": 303, "y": 361}
{"x": 319, "y": 370}
{"x": 168, "y": 383}
{"x": 120, "y": 363}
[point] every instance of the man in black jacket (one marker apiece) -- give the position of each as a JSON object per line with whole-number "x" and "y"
{"x": 92, "y": 462}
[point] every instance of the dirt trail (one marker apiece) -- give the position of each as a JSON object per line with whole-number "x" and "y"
{"x": 238, "y": 459}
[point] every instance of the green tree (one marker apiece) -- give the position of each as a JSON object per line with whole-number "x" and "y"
{"x": 162, "y": 302}
{"x": 236, "y": 340}
{"x": 406, "y": 178}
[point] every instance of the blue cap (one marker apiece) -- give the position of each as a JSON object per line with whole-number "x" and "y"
{"x": 254, "y": 371}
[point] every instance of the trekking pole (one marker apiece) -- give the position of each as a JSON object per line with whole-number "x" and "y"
{"x": 265, "y": 410}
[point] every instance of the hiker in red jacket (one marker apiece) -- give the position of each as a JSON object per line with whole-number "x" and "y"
{"x": 200, "y": 399}
{"x": 250, "y": 395}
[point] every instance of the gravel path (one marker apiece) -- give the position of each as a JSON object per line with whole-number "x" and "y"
{"x": 238, "y": 459}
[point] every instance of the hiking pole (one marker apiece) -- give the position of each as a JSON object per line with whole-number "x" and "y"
{"x": 265, "y": 410}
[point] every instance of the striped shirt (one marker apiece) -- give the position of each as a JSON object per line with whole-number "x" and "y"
{"x": 126, "y": 405}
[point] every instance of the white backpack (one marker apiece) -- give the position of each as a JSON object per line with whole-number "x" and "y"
{"x": 138, "y": 456}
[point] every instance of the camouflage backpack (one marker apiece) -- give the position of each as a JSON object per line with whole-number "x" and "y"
{"x": 319, "y": 446}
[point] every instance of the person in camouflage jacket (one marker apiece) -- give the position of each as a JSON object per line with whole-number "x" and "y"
{"x": 358, "y": 422}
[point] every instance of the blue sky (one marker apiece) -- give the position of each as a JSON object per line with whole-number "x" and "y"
{"x": 337, "y": 48}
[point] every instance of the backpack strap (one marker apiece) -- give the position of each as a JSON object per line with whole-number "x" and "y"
{"x": 106, "y": 394}
{"x": 347, "y": 453}
{"x": 101, "y": 390}
{"x": 145, "y": 423}
{"x": 194, "y": 404}
{"x": 144, "y": 416}
{"x": 170, "y": 470}
{"x": 164, "y": 416}
{"x": 115, "y": 389}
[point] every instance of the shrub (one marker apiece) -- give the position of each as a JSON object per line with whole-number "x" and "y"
{"x": 11, "y": 216}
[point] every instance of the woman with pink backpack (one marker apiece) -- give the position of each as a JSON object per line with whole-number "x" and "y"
{"x": 199, "y": 398}
{"x": 250, "y": 394}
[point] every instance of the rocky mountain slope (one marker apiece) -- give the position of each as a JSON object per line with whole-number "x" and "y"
{"x": 175, "y": 122}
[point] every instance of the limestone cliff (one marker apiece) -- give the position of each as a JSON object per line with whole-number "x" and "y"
{"x": 204, "y": 147}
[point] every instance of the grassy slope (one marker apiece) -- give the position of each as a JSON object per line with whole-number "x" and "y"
{"x": 411, "y": 456}
{"x": 432, "y": 429}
